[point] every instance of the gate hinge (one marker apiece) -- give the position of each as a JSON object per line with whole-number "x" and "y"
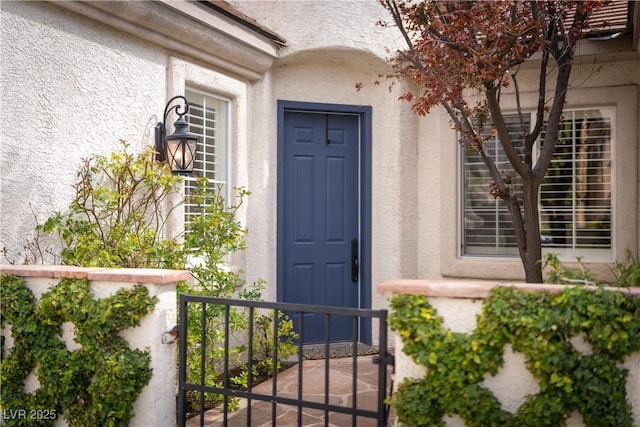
{"x": 388, "y": 359}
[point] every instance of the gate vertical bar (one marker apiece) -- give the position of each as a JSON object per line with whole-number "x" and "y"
{"x": 250, "y": 364}
{"x": 203, "y": 352}
{"x": 225, "y": 372}
{"x": 354, "y": 369}
{"x": 382, "y": 370}
{"x": 274, "y": 372}
{"x": 300, "y": 362}
{"x": 182, "y": 365}
{"x": 327, "y": 356}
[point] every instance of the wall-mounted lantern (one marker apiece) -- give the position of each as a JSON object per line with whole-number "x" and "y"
{"x": 179, "y": 148}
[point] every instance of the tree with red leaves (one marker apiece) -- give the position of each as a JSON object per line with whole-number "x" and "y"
{"x": 463, "y": 54}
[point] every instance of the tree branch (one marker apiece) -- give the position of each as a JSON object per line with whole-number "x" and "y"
{"x": 503, "y": 133}
{"x": 392, "y": 7}
{"x": 465, "y": 123}
{"x": 553, "y": 122}
{"x": 528, "y": 145}
{"x": 542, "y": 89}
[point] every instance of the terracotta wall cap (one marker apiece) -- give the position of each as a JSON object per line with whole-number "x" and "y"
{"x": 132, "y": 275}
{"x": 471, "y": 289}
{"x": 140, "y": 275}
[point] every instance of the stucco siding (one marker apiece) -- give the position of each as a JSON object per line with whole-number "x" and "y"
{"x": 310, "y": 24}
{"x": 70, "y": 88}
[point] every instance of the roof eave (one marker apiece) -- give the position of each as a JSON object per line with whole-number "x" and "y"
{"x": 186, "y": 30}
{"x": 226, "y": 9}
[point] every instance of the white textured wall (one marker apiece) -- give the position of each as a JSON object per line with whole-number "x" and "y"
{"x": 70, "y": 88}
{"x": 311, "y": 24}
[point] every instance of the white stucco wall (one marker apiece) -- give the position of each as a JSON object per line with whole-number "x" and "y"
{"x": 70, "y": 88}
{"x": 73, "y": 87}
{"x": 311, "y": 24}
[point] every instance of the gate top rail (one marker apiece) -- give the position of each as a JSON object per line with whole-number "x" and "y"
{"x": 284, "y": 306}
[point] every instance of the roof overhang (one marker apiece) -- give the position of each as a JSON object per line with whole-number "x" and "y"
{"x": 616, "y": 19}
{"x": 189, "y": 30}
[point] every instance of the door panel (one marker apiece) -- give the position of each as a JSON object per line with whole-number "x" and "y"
{"x": 320, "y": 208}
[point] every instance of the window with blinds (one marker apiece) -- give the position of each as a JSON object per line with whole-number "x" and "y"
{"x": 208, "y": 119}
{"x": 575, "y": 196}
{"x": 487, "y": 226}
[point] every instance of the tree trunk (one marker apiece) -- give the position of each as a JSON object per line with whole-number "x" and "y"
{"x": 532, "y": 255}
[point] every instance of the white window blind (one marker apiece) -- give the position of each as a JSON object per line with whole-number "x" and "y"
{"x": 575, "y": 196}
{"x": 487, "y": 226}
{"x": 208, "y": 119}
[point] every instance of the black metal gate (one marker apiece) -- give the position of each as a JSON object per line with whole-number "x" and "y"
{"x": 225, "y": 309}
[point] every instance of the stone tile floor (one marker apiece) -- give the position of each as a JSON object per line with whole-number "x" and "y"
{"x": 313, "y": 384}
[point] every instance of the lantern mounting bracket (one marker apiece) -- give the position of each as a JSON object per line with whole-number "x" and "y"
{"x": 179, "y": 148}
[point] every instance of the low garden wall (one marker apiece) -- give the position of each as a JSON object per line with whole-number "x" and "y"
{"x": 515, "y": 354}
{"x": 95, "y": 341}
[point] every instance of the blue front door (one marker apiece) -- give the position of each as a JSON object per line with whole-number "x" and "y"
{"x": 319, "y": 208}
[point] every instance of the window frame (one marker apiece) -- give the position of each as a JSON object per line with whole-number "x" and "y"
{"x": 625, "y": 179}
{"x": 565, "y": 253}
{"x": 228, "y": 146}
{"x": 508, "y": 252}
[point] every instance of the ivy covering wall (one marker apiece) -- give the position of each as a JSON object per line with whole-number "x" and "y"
{"x": 538, "y": 325}
{"x": 95, "y": 384}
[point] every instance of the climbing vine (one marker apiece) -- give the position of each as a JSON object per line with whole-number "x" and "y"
{"x": 538, "y": 325}
{"x": 95, "y": 384}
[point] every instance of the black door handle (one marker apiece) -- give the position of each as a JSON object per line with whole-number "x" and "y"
{"x": 354, "y": 260}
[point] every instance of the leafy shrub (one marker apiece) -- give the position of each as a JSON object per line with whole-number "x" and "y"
{"x": 560, "y": 274}
{"x": 211, "y": 236}
{"x": 626, "y": 273}
{"x": 117, "y": 219}
{"x": 95, "y": 384}
{"x": 117, "y": 216}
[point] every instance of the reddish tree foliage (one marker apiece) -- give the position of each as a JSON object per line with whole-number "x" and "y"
{"x": 458, "y": 47}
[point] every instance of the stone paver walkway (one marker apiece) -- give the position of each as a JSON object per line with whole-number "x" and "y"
{"x": 340, "y": 387}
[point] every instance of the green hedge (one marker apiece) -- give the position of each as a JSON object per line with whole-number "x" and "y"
{"x": 539, "y": 326}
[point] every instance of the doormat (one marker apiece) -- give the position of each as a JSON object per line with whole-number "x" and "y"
{"x": 338, "y": 350}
